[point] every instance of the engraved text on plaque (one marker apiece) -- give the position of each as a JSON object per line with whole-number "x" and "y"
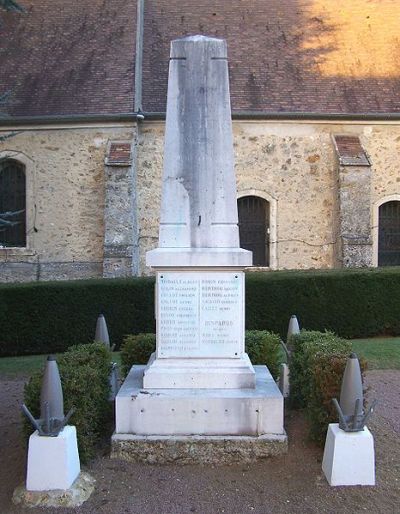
{"x": 200, "y": 314}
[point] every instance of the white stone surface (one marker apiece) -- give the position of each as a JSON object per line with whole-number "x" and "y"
{"x": 349, "y": 457}
{"x": 53, "y": 462}
{"x": 250, "y": 411}
{"x": 198, "y": 208}
{"x": 198, "y": 257}
{"x": 199, "y": 373}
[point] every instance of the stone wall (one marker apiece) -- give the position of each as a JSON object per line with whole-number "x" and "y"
{"x": 294, "y": 166}
{"x": 291, "y": 164}
{"x": 65, "y": 201}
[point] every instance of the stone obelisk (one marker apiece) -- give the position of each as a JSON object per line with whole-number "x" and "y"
{"x": 200, "y": 282}
{"x": 199, "y": 382}
{"x": 199, "y": 223}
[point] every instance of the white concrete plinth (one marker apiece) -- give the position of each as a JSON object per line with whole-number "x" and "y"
{"x": 231, "y": 412}
{"x": 349, "y": 457}
{"x": 199, "y": 373}
{"x": 53, "y": 462}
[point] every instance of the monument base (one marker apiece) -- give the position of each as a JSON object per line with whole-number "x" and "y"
{"x": 191, "y": 424}
{"x": 199, "y": 373}
{"x": 215, "y": 450}
{"x": 349, "y": 457}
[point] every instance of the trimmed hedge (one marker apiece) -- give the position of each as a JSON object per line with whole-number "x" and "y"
{"x": 84, "y": 372}
{"x": 317, "y": 365}
{"x": 350, "y": 302}
{"x": 50, "y": 316}
{"x": 263, "y": 348}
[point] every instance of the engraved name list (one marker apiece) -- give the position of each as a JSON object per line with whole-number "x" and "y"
{"x": 200, "y": 314}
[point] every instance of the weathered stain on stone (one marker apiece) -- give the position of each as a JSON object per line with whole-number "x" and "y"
{"x": 313, "y": 158}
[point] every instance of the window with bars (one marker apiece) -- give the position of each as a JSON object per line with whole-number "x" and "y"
{"x": 253, "y": 213}
{"x": 12, "y": 204}
{"x": 389, "y": 234}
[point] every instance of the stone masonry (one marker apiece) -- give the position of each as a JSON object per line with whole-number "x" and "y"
{"x": 292, "y": 164}
{"x": 65, "y": 176}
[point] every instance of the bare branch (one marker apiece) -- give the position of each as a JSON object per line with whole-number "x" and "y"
{"x": 10, "y": 214}
{"x": 11, "y": 6}
{"x": 8, "y": 136}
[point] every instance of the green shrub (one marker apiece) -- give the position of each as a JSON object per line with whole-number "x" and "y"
{"x": 84, "y": 372}
{"x": 264, "y": 348}
{"x": 317, "y": 365}
{"x": 136, "y": 349}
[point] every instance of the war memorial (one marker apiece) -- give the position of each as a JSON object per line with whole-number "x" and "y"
{"x": 199, "y": 399}
{"x": 199, "y": 390}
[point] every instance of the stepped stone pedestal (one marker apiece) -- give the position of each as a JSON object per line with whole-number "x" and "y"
{"x": 199, "y": 393}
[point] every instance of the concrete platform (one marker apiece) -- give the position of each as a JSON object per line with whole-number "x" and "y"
{"x": 198, "y": 425}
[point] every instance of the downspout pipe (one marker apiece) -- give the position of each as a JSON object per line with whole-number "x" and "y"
{"x": 137, "y": 106}
{"x": 139, "y": 57}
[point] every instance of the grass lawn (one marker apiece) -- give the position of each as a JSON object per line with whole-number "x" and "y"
{"x": 28, "y": 364}
{"x": 381, "y": 353}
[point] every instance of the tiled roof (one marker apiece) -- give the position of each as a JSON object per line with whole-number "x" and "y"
{"x": 119, "y": 153}
{"x": 68, "y": 57}
{"x": 350, "y": 151}
{"x": 296, "y": 56}
{"x": 287, "y": 55}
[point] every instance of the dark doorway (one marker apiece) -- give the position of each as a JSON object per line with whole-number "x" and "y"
{"x": 254, "y": 228}
{"x": 389, "y": 234}
{"x": 12, "y": 204}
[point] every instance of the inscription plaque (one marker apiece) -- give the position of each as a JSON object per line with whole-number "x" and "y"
{"x": 200, "y": 314}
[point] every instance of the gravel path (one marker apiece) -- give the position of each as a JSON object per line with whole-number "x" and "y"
{"x": 385, "y": 386}
{"x": 289, "y": 484}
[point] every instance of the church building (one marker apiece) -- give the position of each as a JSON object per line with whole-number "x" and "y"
{"x": 315, "y": 97}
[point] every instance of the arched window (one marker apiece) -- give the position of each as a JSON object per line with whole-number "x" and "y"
{"x": 389, "y": 234}
{"x": 253, "y": 214}
{"x": 12, "y": 204}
